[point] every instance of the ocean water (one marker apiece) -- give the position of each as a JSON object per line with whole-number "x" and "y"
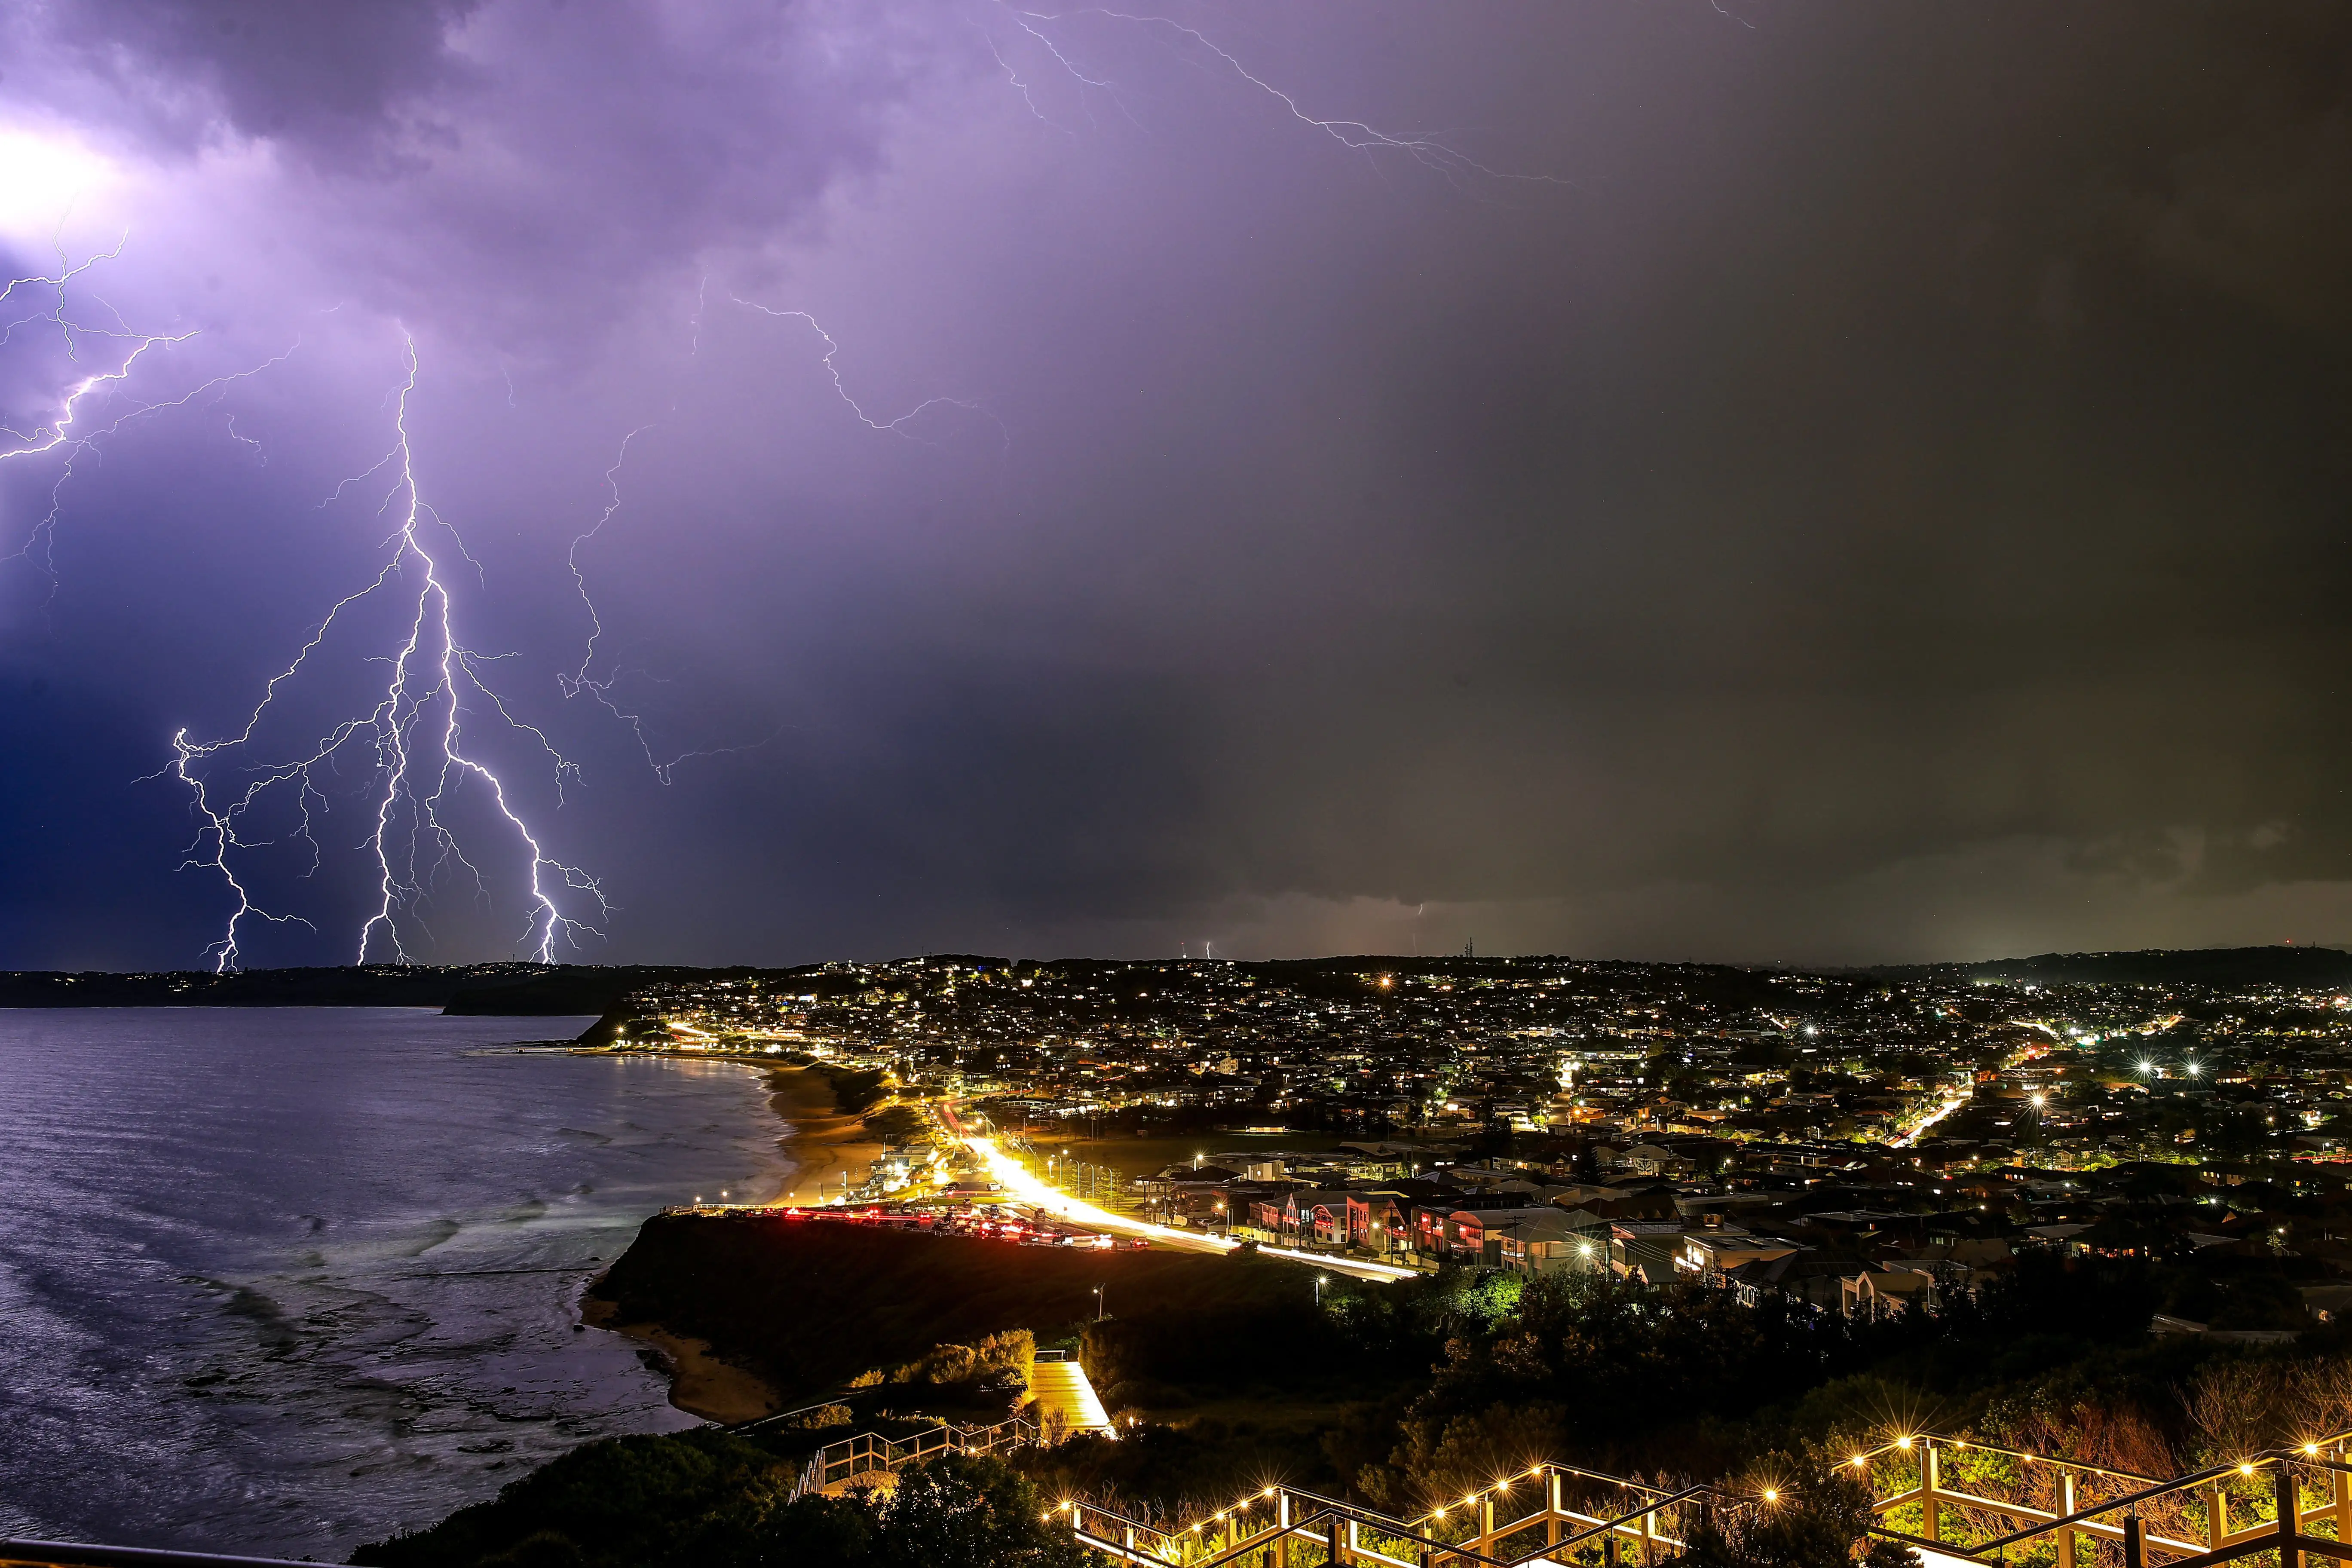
{"x": 280, "y": 1282}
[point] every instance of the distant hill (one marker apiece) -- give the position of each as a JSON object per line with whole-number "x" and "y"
{"x": 518, "y": 990}
{"x": 2296, "y": 968}
{"x": 551, "y": 990}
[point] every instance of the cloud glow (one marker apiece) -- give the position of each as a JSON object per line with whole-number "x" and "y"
{"x": 44, "y": 179}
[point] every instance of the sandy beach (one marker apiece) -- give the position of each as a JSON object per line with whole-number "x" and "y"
{"x": 699, "y": 1383}
{"x": 823, "y": 1144}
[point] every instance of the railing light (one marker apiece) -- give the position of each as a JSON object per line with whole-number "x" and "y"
{"x": 2245, "y": 1469}
{"x": 1859, "y": 1462}
{"x": 1902, "y": 1442}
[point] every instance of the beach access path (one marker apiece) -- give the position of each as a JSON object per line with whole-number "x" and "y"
{"x": 1063, "y": 1386}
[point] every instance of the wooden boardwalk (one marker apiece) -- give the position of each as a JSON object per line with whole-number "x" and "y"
{"x": 1062, "y": 1385}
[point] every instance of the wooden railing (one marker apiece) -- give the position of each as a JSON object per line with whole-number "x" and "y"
{"x": 2292, "y": 1502}
{"x": 1937, "y": 1494}
{"x": 86, "y": 1554}
{"x": 1295, "y": 1529}
{"x": 872, "y": 1454}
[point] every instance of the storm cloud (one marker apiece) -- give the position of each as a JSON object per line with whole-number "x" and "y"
{"x": 1759, "y": 481}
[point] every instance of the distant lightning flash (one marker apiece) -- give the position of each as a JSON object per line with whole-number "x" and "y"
{"x": 414, "y": 733}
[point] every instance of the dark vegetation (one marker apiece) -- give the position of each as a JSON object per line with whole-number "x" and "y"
{"x": 709, "y": 1499}
{"x": 898, "y": 1125}
{"x": 855, "y": 1089}
{"x": 809, "y": 1304}
{"x": 2233, "y": 968}
{"x": 1231, "y": 1376}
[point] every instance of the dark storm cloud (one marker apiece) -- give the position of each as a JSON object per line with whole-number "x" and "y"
{"x": 1884, "y": 493}
{"x": 522, "y": 168}
{"x": 331, "y": 79}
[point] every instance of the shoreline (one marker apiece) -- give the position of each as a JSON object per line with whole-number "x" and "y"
{"x": 823, "y": 1143}
{"x": 700, "y": 1383}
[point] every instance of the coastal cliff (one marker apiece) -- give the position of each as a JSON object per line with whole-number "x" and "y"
{"x": 804, "y": 1305}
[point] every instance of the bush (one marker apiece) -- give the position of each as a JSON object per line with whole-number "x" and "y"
{"x": 704, "y": 1499}
{"x": 1816, "y": 1520}
{"x": 1013, "y": 1351}
{"x": 816, "y": 1419}
{"x": 899, "y": 1124}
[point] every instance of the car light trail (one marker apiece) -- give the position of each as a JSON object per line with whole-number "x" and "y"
{"x": 1935, "y": 1116}
{"x": 1018, "y": 1179}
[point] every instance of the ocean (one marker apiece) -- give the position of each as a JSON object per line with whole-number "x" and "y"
{"x": 280, "y": 1282}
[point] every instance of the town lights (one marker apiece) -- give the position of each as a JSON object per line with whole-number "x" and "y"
{"x": 1771, "y": 1494}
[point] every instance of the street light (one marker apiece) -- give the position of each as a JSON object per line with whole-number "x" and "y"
{"x": 1098, "y": 1303}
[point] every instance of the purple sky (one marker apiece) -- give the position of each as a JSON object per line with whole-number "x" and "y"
{"x": 1741, "y": 480}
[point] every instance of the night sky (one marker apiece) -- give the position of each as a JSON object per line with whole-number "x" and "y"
{"x": 1724, "y": 479}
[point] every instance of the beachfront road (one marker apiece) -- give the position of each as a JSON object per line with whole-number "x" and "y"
{"x": 1018, "y": 1179}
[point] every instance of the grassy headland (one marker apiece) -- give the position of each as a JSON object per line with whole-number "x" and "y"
{"x": 806, "y": 1305}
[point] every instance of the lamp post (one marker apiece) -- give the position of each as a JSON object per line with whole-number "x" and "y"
{"x": 1098, "y": 1303}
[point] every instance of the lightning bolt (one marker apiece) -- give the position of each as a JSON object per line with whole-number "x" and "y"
{"x": 584, "y": 680}
{"x": 893, "y": 426}
{"x": 414, "y": 733}
{"x": 70, "y": 428}
{"x": 1423, "y": 148}
{"x": 601, "y": 688}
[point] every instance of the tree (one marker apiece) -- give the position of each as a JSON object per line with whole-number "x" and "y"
{"x": 1807, "y": 1516}
{"x": 959, "y": 1511}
